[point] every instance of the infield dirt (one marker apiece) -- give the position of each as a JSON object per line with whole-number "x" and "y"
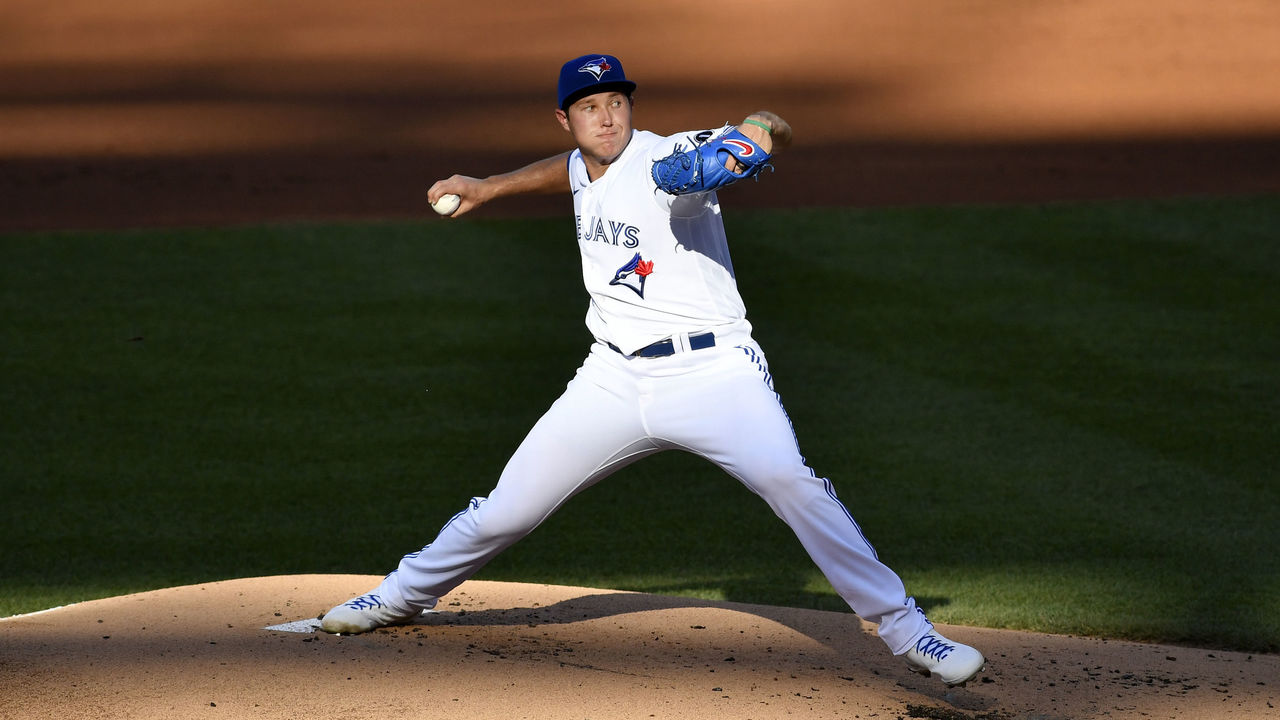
{"x": 138, "y": 113}
{"x": 497, "y": 651}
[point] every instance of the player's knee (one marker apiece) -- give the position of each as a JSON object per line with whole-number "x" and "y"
{"x": 506, "y": 525}
{"x": 778, "y": 482}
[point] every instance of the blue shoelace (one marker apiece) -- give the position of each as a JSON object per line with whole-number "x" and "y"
{"x": 934, "y": 648}
{"x": 365, "y": 602}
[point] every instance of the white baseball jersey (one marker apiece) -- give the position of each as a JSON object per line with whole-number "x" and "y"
{"x": 653, "y": 269}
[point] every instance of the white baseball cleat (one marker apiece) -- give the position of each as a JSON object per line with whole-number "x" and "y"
{"x": 362, "y": 614}
{"x": 954, "y": 663}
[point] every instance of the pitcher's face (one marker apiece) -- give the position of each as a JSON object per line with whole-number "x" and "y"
{"x": 601, "y": 126}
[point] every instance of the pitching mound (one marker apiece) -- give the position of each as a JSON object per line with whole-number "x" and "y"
{"x": 244, "y": 648}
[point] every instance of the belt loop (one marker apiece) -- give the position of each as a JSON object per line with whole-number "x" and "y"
{"x": 681, "y": 341}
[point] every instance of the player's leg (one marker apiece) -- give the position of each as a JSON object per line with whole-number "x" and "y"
{"x": 741, "y": 426}
{"x": 591, "y": 431}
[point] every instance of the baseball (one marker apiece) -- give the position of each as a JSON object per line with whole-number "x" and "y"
{"x": 446, "y": 204}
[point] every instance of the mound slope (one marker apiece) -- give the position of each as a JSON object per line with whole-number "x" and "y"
{"x": 507, "y": 650}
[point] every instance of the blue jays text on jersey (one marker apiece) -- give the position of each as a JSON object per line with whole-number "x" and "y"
{"x": 608, "y": 231}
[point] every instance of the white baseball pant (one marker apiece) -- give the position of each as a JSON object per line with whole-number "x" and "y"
{"x": 718, "y": 403}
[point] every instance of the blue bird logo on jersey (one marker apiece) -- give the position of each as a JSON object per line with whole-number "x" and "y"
{"x": 633, "y": 274}
{"x": 596, "y": 68}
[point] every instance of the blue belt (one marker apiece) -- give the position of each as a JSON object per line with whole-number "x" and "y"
{"x": 663, "y": 348}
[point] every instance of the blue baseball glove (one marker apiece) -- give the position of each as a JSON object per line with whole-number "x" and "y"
{"x": 701, "y": 167}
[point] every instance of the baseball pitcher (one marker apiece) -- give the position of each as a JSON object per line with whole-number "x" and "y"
{"x": 673, "y": 365}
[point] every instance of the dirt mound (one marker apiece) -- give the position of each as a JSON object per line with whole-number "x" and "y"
{"x": 504, "y": 650}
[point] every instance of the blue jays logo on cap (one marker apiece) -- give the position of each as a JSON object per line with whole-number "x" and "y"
{"x": 597, "y": 67}
{"x": 591, "y": 74}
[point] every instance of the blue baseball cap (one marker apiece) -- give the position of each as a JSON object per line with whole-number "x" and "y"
{"x": 589, "y": 75}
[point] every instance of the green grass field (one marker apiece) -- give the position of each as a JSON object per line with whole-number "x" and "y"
{"x": 1057, "y": 418}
